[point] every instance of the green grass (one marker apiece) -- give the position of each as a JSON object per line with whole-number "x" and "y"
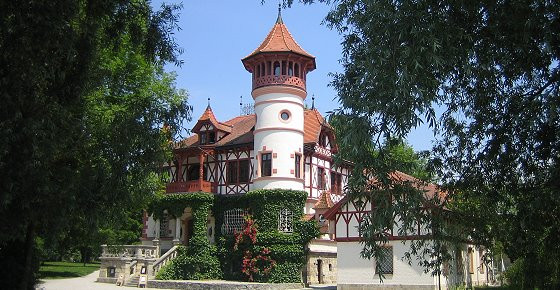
{"x": 505, "y": 287}
{"x": 60, "y": 270}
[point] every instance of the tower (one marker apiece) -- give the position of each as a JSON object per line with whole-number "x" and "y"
{"x": 279, "y": 67}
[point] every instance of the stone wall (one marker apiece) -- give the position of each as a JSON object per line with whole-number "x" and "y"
{"x": 384, "y": 287}
{"x": 219, "y": 285}
{"x": 328, "y": 264}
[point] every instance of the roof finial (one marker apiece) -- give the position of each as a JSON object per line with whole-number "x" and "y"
{"x": 240, "y": 105}
{"x": 313, "y": 102}
{"x": 208, "y": 104}
{"x": 279, "y": 19}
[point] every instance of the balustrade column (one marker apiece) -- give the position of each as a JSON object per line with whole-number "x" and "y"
{"x": 177, "y": 240}
{"x": 156, "y": 241}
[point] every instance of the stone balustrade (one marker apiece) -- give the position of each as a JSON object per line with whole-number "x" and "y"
{"x": 129, "y": 251}
{"x": 166, "y": 258}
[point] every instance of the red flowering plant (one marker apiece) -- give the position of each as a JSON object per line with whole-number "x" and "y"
{"x": 256, "y": 265}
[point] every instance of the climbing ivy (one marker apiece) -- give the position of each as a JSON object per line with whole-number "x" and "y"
{"x": 200, "y": 260}
{"x": 287, "y": 249}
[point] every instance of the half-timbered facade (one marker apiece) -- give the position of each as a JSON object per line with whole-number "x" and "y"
{"x": 467, "y": 267}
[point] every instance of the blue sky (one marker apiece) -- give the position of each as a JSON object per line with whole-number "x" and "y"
{"x": 215, "y": 35}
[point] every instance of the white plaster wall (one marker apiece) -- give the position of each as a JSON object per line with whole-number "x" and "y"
{"x": 271, "y": 184}
{"x": 341, "y": 231}
{"x": 283, "y": 143}
{"x": 268, "y": 114}
{"x": 309, "y": 207}
{"x": 322, "y": 246}
{"x": 352, "y": 269}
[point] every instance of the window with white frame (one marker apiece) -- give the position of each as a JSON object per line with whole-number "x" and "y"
{"x": 234, "y": 221}
{"x": 285, "y": 221}
{"x": 385, "y": 262}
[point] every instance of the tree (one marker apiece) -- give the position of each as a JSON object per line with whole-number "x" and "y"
{"x": 493, "y": 68}
{"x": 84, "y": 101}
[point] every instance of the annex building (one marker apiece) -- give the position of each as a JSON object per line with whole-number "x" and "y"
{"x": 282, "y": 145}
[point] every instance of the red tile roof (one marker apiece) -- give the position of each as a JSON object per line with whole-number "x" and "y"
{"x": 208, "y": 116}
{"x": 325, "y": 201}
{"x": 279, "y": 39}
{"x": 240, "y": 129}
{"x": 312, "y": 125}
{"x": 430, "y": 190}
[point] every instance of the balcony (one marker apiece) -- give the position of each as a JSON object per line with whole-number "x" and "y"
{"x": 189, "y": 186}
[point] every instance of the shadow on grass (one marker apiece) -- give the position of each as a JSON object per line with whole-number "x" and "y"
{"x": 58, "y": 274}
{"x": 68, "y": 265}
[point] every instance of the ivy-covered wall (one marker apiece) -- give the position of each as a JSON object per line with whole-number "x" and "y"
{"x": 287, "y": 249}
{"x": 200, "y": 259}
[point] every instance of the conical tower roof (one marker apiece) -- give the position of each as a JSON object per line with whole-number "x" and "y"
{"x": 279, "y": 39}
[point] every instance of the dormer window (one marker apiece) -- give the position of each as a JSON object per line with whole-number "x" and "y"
{"x": 323, "y": 140}
{"x": 207, "y": 137}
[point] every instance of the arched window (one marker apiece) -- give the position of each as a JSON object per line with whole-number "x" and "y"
{"x": 276, "y": 68}
{"x": 290, "y": 68}
{"x": 285, "y": 221}
{"x": 296, "y": 68}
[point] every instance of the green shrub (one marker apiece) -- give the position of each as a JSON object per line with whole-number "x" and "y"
{"x": 286, "y": 273}
{"x": 190, "y": 264}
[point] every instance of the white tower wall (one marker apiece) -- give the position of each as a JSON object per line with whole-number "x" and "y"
{"x": 282, "y": 138}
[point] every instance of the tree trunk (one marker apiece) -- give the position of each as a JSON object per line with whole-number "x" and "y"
{"x": 28, "y": 258}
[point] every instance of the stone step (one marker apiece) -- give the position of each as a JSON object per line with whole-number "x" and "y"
{"x": 132, "y": 281}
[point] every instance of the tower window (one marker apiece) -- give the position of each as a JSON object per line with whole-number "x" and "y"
{"x": 296, "y": 68}
{"x": 276, "y": 68}
{"x": 262, "y": 69}
{"x": 211, "y": 137}
{"x": 283, "y": 67}
{"x": 266, "y": 164}
{"x": 285, "y": 115}
{"x": 297, "y": 165}
{"x": 258, "y": 70}
{"x": 290, "y": 68}
{"x": 268, "y": 65}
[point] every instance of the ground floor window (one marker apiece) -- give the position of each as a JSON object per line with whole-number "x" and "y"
{"x": 285, "y": 219}
{"x": 111, "y": 272}
{"x": 385, "y": 262}
{"x": 234, "y": 221}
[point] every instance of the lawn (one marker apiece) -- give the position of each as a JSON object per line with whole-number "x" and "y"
{"x": 59, "y": 270}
